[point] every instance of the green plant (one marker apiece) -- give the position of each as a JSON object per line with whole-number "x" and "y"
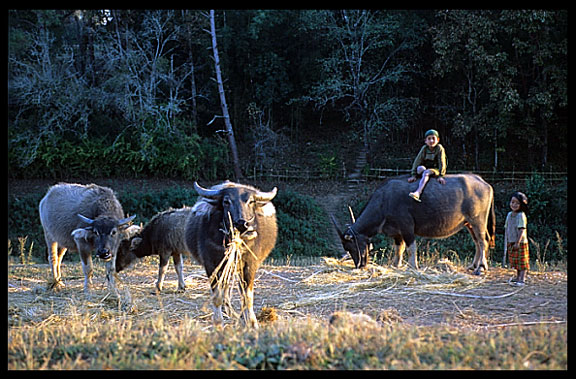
{"x": 302, "y": 226}
{"x": 329, "y": 165}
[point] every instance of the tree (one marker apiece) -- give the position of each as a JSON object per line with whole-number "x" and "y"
{"x": 364, "y": 65}
{"x": 225, "y": 114}
{"x": 538, "y": 41}
{"x": 507, "y": 73}
{"x": 470, "y": 57}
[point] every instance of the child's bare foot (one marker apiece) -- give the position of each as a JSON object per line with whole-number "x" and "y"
{"x": 415, "y": 196}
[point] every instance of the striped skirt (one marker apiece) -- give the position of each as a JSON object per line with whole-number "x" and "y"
{"x": 519, "y": 258}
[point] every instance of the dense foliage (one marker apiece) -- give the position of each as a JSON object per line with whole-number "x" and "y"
{"x": 129, "y": 92}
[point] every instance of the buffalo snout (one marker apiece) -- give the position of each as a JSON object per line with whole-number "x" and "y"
{"x": 104, "y": 254}
{"x": 241, "y": 225}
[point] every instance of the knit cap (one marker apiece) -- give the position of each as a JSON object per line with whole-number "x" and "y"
{"x": 432, "y": 132}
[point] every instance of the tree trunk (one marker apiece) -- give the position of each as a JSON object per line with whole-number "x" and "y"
{"x": 229, "y": 130}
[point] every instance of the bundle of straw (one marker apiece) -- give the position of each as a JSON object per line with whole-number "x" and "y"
{"x": 230, "y": 270}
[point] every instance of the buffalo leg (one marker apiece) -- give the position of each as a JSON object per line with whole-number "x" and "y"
{"x": 55, "y": 256}
{"x": 248, "y": 308}
{"x": 178, "y": 265}
{"x": 86, "y": 259}
{"x": 110, "y": 276}
{"x": 481, "y": 244}
{"x": 480, "y": 263}
{"x": 61, "y": 253}
{"x": 216, "y": 291}
{"x": 413, "y": 260}
{"x": 399, "y": 247}
{"x": 217, "y": 301}
{"x": 247, "y": 290}
{"x": 474, "y": 263}
{"x": 162, "y": 266}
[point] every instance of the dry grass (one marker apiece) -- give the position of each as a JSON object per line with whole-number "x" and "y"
{"x": 326, "y": 315}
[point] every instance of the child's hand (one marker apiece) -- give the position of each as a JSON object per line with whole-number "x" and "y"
{"x": 441, "y": 180}
{"x": 411, "y": 179}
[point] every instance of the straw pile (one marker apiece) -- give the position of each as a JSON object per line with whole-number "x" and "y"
{"x": 337, "y": 280}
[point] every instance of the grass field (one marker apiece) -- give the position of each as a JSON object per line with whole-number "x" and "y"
{"x": 322, "y": 315}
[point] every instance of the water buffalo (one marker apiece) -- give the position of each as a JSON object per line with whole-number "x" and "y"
{"x": 82, "y": 218}
{"x": 163, "y": 235}
{"x": 219, "y": 210}
{"x": 464, "y": 200}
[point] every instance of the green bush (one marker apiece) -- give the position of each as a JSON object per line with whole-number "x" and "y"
{"x": 24, "y": 220}
{"x": 159, "y": 153}
{"x": 302, "y": 226}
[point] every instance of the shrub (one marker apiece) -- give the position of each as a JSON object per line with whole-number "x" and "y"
{"x": 302, "y": 226}
{"x": 158, "y": 152}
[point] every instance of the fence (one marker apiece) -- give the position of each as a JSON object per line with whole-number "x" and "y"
{"x": 305, "y": 174}
{"x": 490, "y": 176}
{"x": 295, "y": 174}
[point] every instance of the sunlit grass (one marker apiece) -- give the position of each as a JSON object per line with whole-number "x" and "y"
{"x": 65, "y": 330}
{"x": 92, "y": 341}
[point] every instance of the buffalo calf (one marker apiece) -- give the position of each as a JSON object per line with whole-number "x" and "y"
{"x": 82, "y": 218}
{"x": 163, "y": 235}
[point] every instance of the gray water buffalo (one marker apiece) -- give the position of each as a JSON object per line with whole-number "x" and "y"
{"x": 163, "y": 235}
{"x": 216, "y": 213}
{"x": 82, "y": 218}
{"x": 465, "y": 200}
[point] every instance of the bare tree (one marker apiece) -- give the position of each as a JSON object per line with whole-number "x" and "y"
{"x": 225, "y": 114}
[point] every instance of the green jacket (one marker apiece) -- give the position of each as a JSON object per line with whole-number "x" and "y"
{"x": 435, "y": 158}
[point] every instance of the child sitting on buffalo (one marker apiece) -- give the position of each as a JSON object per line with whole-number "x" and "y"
{"x": 430, "y": 162}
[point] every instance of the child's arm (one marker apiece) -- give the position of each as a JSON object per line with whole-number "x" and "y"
{"x": 521, "y": 229}
{"x": 442, "y": 161}
{"x": 521, "y": 236}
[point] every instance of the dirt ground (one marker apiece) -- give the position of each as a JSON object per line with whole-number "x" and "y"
{"x": 430, "y": 296}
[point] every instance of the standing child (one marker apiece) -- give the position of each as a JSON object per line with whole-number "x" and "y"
{"x": 516, "y": 237}
{"x": 430, "y": 162}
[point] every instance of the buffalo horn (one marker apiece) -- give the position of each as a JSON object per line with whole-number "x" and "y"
{"x": 266, "y": 196}
{"x": 85, "y": 219}
{"x": 352, "y": 215}
{"x": 126, "y": 220}
{"x": 206, "y": 192}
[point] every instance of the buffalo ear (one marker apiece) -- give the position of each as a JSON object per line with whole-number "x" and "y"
{"x": 132, "y": 230}
{"x": 82, "y": 233}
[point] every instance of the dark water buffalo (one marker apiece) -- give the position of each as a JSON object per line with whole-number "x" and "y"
{"x": 208, "y": 234}
{"x": 163, "y": 235}
{"x": 82, "y": 218}
{"x": 465, "y": 200}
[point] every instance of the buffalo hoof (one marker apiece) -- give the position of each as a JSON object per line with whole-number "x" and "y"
{"x": 56, "y": 285}
{"x": 479, "y": 270}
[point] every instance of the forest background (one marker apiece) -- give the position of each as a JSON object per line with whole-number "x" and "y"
{"x": 132, "y": 94}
